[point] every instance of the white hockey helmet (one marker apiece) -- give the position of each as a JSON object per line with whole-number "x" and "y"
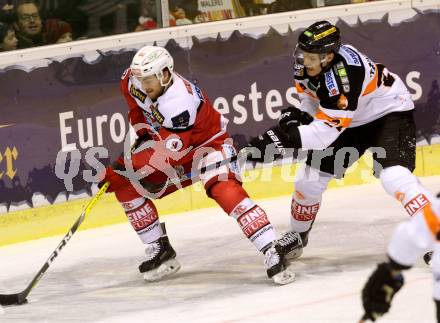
{"x": 152, "y": 60}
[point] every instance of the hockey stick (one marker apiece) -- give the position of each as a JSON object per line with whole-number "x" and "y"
{"x": 20, "y": 298}
{"x": 154, "y": 188}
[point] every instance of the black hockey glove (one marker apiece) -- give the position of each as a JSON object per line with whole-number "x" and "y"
{"x": 380, "y": 289}
{"x": 293, "y": 117}
{"x": 268, "y": 146}
{"x": 139, "y": 141}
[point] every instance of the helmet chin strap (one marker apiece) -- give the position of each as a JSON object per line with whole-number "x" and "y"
{"x": 165, "y": 85}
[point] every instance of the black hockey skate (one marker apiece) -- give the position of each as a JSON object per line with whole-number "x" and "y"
{"x": 293, "y": 243}
{"x": 160, "y": 261}
{"x": 277, "y": 267}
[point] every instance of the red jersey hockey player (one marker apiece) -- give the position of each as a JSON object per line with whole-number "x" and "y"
{"x": 184, "y": 131}
{"x": 356, "y": 104}
{"x": 410, "y": 240}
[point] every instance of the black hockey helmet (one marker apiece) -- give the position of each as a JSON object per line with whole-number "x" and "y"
{"x": 322, "y": 37}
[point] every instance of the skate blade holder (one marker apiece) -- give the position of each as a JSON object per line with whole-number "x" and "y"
{"x": 285, "y": 277}
{"x": 169, "y": 267}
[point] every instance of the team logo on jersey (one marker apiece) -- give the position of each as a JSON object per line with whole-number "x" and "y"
{"x": 372, "y": 67}
{"x": 342, "y": 74}
{"x": 174, "y": 144}
{"x": 199, "y": 93}
{"x": 157, "y": 115}
{"x": 188, "y": 86}
{"x": 350, "y": 56}
{"x": 181, "y": 121}
{"x": 344, "y": 79}
{"x": 151, "y": 120}
{"x": 330, "y": 81}
{"x": 138, "y": 94}
{"x": 342, "y": 102}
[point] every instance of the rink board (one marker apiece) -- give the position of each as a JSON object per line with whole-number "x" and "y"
{"x": 267, "y": 39}
{"x": 274, "y": 181}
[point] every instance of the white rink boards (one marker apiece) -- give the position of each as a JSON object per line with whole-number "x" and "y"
{"x": 223, "y": 278}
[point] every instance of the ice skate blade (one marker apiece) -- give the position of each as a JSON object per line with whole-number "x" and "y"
{"x": 169, "y": 267}
{"x": 285, "y": 277}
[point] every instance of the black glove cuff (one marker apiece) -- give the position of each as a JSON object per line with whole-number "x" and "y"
{"x": 294, "y": 138}
{"x": 396, "y": 266}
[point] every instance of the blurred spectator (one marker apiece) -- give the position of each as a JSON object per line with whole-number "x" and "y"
{"x": 148, "y": 15}
{"x": 190, "y": 8}
{"x": 57, "y": 31}
{"x": 288, "y": 5}
{"x": 251, "y": 8}
{"x": 68, "y": 11}
{"x": 109, "y": 17}
{"x": 328, "y": 3}
{"x": 28, "y": 25}
{"x": 8, "y": 41}
{"x": 178, "y": 16}
{"x": 6, "y": 13}
{"x": 146, "y": 23}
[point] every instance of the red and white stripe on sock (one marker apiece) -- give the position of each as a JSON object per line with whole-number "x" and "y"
{"x": 303, "y": 211}
{"x": 144, "y": 219}
{"x": 254, "y": 223}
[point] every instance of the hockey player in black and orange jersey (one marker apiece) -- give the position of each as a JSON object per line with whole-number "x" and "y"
{"x": 408, "y": 243}
{"x": 348, "y": 104}
{"x": 183, "y": 132}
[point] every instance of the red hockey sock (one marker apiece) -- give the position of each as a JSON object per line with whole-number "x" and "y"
{"x": 251, "y": 218}
{"x": 228, "y": 194}
{"x": 143, "y": 217}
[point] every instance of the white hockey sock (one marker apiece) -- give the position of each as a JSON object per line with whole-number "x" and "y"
{"x": 306, "y": 200}
{"x": 144, "y": 219}
{"x": 254, "y": 223}
{"x": 400, "y": 183}
{"x": 303, "y": 211}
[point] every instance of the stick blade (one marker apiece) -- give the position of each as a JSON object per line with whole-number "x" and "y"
{"x": 12, "y": 299}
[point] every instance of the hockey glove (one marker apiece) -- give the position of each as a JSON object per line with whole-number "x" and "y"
{"x": 293, "y": 117}
{"x": 116, "y": 181}
{"x": 139, "y": 141}
{"x": 380, "y": 289}
{"x": 268, "y": 146}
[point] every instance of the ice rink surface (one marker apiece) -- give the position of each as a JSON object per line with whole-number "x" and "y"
{"x": 222, "y": 279}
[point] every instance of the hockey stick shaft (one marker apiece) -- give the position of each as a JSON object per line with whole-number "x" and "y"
{"x": 20, "y": 298}
{"x": 153, "y": 188}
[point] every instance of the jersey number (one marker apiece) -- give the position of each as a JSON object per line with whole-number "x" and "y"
{"x": 384, "y": 77}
